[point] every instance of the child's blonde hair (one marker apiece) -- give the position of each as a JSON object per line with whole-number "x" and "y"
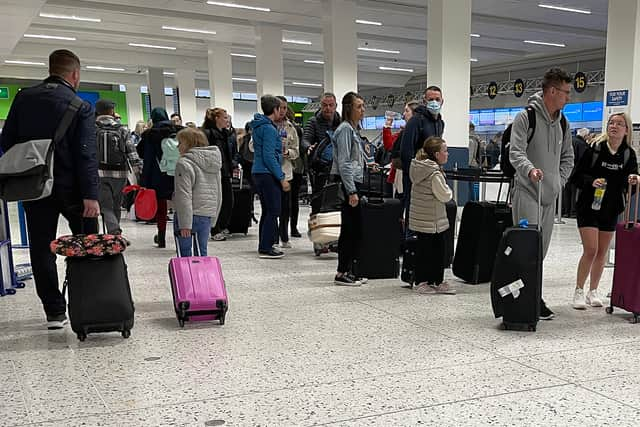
{"x": 430, "y": 147}
{"x": 189, "y": 138}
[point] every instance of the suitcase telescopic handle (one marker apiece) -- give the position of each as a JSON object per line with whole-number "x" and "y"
{"x": 539, "y": 226}
{"x": 627, "y": 210}
{"x": 196, "y": 245}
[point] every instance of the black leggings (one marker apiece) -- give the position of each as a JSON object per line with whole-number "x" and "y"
{"x": 350, "y": 235}
{"x": 226, "y": 208}
{"x": 295, "y": 200}
{"x": 429, "y": 258}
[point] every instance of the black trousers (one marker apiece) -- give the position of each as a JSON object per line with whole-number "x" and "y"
{"x": 295, "y": 200}
{"x": 226, "y": 208}
{"x": 350, "y": 236}
{"x": 429, "y": 258}
{"x": 283, "y": 220}
{"x": 42, "y": 227}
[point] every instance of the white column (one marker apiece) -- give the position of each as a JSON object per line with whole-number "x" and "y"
{"x": 220, "y": 74}
{"x": 622, "y": 68}
{"x": 269, "y": 71}
{"x": 340, "y": 48}
{"x": 448, "y": 67}
{"x": 155, "y": 80}
{"x": 186, "y": 80}
{"x": 134, "y": 105}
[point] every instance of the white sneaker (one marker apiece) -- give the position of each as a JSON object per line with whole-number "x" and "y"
{"x": 578, "y": 299}
{"x": 285, "y": 245}
{"x": 593, "y": 299}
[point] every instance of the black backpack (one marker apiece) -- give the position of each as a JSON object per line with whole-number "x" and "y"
{"x": 505, "y": 164}
{"x": 112, "y": 147}
{"x": 321, "y": 157}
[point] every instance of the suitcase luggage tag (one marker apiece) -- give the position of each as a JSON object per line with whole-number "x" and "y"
{"x": 511, "y": 289}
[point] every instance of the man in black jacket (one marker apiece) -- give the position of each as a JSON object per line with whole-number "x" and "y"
{"x": 570, "y": 190}
{"x": 35, "y": 114}
{"x": 315, "y": 131}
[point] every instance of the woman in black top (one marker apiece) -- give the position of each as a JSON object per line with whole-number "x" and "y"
{"x": 609, "y": 162}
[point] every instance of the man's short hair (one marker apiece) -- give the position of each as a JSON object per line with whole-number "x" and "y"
{"x": 104, "y": 106}
{"x": 555, "y": 77}
{"x": 269, "y": 103}
{"x": 329, "y": 95}
{"x": 434, "y": 88}
{"x": 176, "y": 115}
{"x": 62, "y": 62}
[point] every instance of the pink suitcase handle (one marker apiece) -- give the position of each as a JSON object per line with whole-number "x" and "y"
{"x": 627, "y": 210}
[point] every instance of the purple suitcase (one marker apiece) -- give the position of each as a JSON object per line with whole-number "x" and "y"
{"x": 626, "y": 274}
{"x": 198, "y": 289}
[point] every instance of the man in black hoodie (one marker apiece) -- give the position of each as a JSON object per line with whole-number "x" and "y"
{"x": 425, "y": 122}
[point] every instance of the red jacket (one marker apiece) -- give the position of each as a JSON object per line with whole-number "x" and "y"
{"x": 388, "y": 139}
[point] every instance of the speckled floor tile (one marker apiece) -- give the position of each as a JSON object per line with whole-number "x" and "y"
{"x": 624, "y": 388}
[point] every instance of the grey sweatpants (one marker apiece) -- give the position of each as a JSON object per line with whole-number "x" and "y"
{"x": 110, "y": 199}
{"x": 525, "y": 206}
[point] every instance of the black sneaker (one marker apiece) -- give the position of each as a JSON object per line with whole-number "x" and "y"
{"x": 345, "y": 280}
{"x": 296, "y": 233}
{"x": 545, "y": 313}
{"x": 362, "y": 280}
{"x": 56, "y": 321}
{"x": 272, "y": 254}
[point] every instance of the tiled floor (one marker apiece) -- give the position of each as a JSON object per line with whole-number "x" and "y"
{"x": 297, "y": 351}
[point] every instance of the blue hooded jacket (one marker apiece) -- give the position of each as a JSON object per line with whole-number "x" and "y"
{"x": 267, "y": 147}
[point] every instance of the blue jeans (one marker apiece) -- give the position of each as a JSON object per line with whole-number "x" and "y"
{"x": 200, "y": 227}
{"x": 270, "y": 192}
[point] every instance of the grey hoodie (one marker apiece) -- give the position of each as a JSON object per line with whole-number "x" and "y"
{"x": 197, "y": 185}
{"x": 548, "y": 151}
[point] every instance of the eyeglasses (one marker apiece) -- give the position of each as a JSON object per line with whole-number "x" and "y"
{"x": 566, "y": 92}
{"x": 618, "y": 124}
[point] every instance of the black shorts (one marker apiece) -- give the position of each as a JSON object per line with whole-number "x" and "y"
{"x": 591, "y": 218}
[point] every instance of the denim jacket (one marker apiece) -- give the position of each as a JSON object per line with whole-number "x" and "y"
{"x": 348, "y": 159}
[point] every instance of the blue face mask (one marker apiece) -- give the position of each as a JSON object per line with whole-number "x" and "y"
{"x": 434, "y": 107}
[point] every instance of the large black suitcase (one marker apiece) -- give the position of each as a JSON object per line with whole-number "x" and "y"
{"x": 99, "y": 295}
{"x": 407, "y": 274}
{"x": 242, "y": 211}
{"x": 378, "y": 253}
{"x": 481, "y": 228}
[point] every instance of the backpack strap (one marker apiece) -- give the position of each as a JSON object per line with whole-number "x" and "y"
{"x": 63, "y": 127}
{"x": 531, "y": 115}
{"x": 596, "y": 155}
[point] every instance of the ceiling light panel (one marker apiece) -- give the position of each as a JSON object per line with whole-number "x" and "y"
{"x": 365, "y": 22}
{"x": 101, "y": 68}
{"x": 474, "y": 35}
{"x": 371, "y": 49}
{"x": 306, "y": 84}
{"x": 473, "y": 59}
{"x": 313, "y": 61}
{"x": 404, "y": 70}
{"x": 292, "y": 41}
{"x": 70, "y": 17}
{"x": 45, "y": 36}
{"x": 188, "y": 30}
{"x": 238, "y": 6}
{"x": 243, "y": 55}
{"x": 152, "y": 46}
{"x": 14, "y": 62}
{"x": 167, "y": 73}
{"x": 565, "y": 9}
{"x": 243, "y": 79}
{"x": 544, "y": 43}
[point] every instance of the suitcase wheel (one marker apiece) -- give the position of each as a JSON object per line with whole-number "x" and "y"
{"x": 635, "y": 318}
{"x": 126, "y": 333}
{"x": 532, "y": 328}
{"x": 222, "y": 318}
{"x": 82, "y": 336}
{"x": 609, "y": 310}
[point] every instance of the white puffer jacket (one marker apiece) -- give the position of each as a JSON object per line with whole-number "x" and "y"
{"x": 197, "y": 185}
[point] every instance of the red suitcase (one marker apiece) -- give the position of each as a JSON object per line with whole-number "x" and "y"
{"x": 626, "y": 274}
{"x": 198, "y": 288}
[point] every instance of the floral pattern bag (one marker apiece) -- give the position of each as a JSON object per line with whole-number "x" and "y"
{"x": 83, "y": 245}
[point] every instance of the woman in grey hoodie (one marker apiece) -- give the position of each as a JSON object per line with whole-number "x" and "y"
{"x": 198, "y": 193}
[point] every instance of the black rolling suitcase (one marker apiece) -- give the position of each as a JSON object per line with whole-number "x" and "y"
{"x": 516, "y": 286}
{"x": 452, "y": 212}
{"x": 99, "y": 295}
{"x": 481, "y": 228}
{"x": 241, "y": 213}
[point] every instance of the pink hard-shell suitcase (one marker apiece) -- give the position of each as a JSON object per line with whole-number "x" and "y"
{"x": 198, "y": 288}
{"x": 626, "y": 274}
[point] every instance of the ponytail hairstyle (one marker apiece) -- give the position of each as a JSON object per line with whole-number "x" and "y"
{"x": 430, "y": 147}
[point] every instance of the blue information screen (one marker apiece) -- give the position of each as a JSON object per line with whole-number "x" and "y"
{"x": 501, "y": 116}
{"x": 369, "y": 123}
{"x": 474, "y": 117}
{"x": 573, "y": 112}
{"x": 592, "y": 111}
{"x": 90, "y": 97}
{"x": 379, "y": 122}
{"x": 487, "y": 117}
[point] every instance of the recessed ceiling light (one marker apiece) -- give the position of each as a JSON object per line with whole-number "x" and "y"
{"x": 406, "y": 70}
{"x": 363, "y": 22}
{"x": 243, "y": 79}
{"x": 305, "y": 42}
{"x": 474, "y": 35}
{"x": 565, "y": 9}
{"x": 370, "y": 49}
{"x": 239, "y": 6}
{"x": 243, "y": 55}
{"x": 188, "y": 30}
{"x": 71, "y": 17}
{"x": 545, "y": 43}
{"x": 101, "y": 68}
{"x": 44, "y": 36}
{"x": 152, "y": 46}
{"x": 306, "y": 84}
{"x": 167, "y": 73}
{"x": 313, "y": 61}
{"x": 473, "y": 59}
{"x": 23, "y": 62}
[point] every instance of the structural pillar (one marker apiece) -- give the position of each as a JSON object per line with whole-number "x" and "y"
{"x": 340, "y": 48}
{"x": 269, "y": 69}
{"x": 155, "y": 80}
{"x": 448, "y": 66}
{"x": 220, "y": 74}
{"x": 622, "y": 68}
{"x": 186, "y": 80}
{"x": 134, "y": 105}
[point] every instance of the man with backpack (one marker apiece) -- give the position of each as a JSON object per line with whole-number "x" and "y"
{"x": 541, "y": 151}
{"x": 116, "y": 157}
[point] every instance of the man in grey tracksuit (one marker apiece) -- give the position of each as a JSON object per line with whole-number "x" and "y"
{"x": 548, "y": 157}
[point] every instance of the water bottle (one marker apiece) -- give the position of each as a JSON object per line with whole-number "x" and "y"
{"x": 598, "y": 195}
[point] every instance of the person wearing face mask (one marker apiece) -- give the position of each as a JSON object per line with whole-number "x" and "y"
{"x": 425, "y": 122}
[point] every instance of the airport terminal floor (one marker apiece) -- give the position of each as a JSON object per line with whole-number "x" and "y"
{"x": 298, "y": 351}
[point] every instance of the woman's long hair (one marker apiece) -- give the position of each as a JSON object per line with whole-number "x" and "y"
{"x": 348, "y": 102}
{"x": 430, "y": 147}
{"x": 604, "y": 137}
{"x": 210, "y": 117}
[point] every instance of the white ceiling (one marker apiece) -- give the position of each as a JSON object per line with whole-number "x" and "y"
{"x": 502, "y": 25}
